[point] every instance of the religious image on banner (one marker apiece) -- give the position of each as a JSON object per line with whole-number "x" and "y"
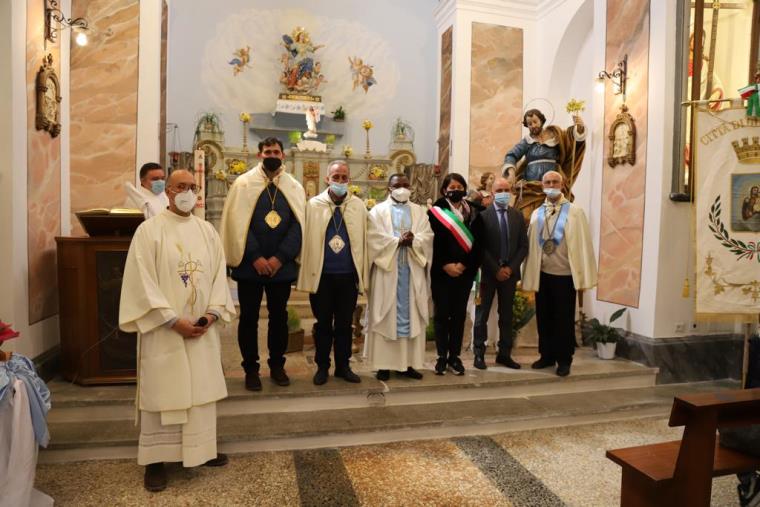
{"x": 727, "y": 158}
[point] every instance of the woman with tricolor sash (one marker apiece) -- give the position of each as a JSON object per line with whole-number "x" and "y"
{"x": 456, "y": 228}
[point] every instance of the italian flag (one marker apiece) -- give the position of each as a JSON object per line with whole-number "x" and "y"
{"x": 460, "y": 231}
{"x": 748, "y": 91}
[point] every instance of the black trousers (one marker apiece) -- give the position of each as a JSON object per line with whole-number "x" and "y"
{"x": 450, "y": 297}
{"x": 250, "y": 295}
{"x": 333, "y": 306}
{"x": 490, "y": 287}
{"x": 555, "y": 318}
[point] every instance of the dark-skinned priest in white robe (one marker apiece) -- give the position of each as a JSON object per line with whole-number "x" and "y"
{"x": 400, "y": 249}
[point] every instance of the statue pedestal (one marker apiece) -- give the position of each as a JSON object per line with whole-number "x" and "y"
{"x": 298, "y": 106}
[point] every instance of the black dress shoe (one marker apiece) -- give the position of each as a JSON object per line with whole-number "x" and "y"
{"x": 508, "y": 362}
{"x": 411, "y": 373}
{"x": 219, "y": 461}
{"x": 563, "y": 370}
{"x": 383, "y": 375}
{"x": 279, "y": 377}
{"x": 440, "y": 366}
{"x": 348, "y": 375}
{"x": 542, "y": 363}
{"x": 479, "y": 362}
{"x": 456, "y": 364}
{"x": 155, "y": 477}
{"x": 252, "y": 381}
{"x": 321, "y": 376}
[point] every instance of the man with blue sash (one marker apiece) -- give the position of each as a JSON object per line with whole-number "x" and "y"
{"x": 560, "y": 262}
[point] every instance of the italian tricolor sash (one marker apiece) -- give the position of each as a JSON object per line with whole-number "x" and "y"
{"x": 460, "y": 231}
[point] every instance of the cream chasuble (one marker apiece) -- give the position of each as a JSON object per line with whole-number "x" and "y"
{"x": 383, "y": 348}
{"x": 175, "y": 268}
{"x": 319, "y": 212}
{"x": 241, "y": 201}
{"x": 580, "y": 251}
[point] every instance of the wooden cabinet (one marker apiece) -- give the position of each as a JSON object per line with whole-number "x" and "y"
{"x": 93, "y": 349}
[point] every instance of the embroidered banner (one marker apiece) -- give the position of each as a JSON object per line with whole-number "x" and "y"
{"x": 727, "y": 186}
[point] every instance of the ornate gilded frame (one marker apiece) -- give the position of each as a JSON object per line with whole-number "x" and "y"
{"x": 629, "y": 156}
{"x": 48, "y": 92}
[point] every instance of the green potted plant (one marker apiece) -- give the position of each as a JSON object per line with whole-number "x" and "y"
{"x": 339, "y": 114}
{"x": 295, "y": 333}
{"x": 522, "y": 311}
{"x": 604, "y": 336}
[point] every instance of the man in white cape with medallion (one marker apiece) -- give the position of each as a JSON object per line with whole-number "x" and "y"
{"x": 334, "y": 269}
{"x": 560, "y": 262}
{"x": 173, "y": 292}
{"x": 261, "y": 231}
{"x": 400, "y": 249}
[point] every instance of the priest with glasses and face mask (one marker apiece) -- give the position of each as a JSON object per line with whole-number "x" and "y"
{"x": 400, "y": 250}
{"x": 173, "y": 293}
{"x": 261, "y": 231}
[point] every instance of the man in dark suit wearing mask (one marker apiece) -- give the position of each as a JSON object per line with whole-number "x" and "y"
{"x": 505, "y": 246}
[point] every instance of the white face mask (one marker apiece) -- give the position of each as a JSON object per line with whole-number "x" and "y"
{"x": 552, "y": 192}
{"x": 401, "y": 194}
{"x": 185, "y": 201}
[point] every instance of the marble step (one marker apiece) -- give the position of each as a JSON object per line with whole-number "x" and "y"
{"x": 246, "y": 432}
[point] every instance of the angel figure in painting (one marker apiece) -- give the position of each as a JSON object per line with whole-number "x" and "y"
{"x": 241, "y": 60}
{"x": 363, "y": 74}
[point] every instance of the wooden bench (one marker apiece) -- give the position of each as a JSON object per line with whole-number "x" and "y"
{"x": 680, "y": 472}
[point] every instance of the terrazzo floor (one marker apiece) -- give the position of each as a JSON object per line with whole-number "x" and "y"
{"x": 548, "y": 467}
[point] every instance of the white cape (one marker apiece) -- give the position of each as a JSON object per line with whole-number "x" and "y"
{"x": 319, "y": 212}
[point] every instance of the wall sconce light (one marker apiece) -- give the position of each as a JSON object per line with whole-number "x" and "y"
{"x": 618, "y": 77}
{"x": 56, "y": 20}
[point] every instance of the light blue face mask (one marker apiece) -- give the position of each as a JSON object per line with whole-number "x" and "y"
{"x": 552, "y": 192}
{"x": 157, "y": 186}
{"x": 339, "y": 189}
{"x": 502, "y": 199}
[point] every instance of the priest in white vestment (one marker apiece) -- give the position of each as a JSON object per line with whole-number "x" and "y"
{"x": 149, "y": 197}
{"x": 560, "y": 262}
{"x": 173, "y": 292}
{"x": 400, "y": 250}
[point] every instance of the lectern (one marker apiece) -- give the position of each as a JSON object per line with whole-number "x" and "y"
{"x": 90, "y": 270}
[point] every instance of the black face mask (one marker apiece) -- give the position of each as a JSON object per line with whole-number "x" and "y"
{"x": 455, "y": 195}
{"x": 271, "y": 164}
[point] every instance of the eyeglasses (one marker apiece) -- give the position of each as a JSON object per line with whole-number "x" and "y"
{"x": 184, "y": 187}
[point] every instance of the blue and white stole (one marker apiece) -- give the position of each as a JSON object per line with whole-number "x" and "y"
{"x": 559, "y": 226}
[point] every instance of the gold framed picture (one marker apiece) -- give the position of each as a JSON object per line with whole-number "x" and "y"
{"x": 48, "y": 90}
{"x": 622, "y": 138}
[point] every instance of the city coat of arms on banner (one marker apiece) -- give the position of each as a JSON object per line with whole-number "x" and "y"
{"x": 727, "y": 188}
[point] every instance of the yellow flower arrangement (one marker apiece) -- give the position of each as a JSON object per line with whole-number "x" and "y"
{"x": 238, "y": 167}
{"x": 347, "y": 151}
{"x": 355, "y": 189}
{"x": 377, "y": 172}
{"x": 245, "y": 117}
{"x": 367, "y": 124}
{"x": 220, "y": 175}
{"x": 575, "y": 106}
{"x": 371, "y": 203}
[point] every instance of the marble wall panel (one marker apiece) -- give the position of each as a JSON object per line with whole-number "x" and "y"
{"x": 444, "y": 129}
{"x": 164, "y": 47}
{"x": 43, "y": 178}
{"x": 623, "y": 187}
{"x": 496, "y": 96}
{"x": 104, "y": 105}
